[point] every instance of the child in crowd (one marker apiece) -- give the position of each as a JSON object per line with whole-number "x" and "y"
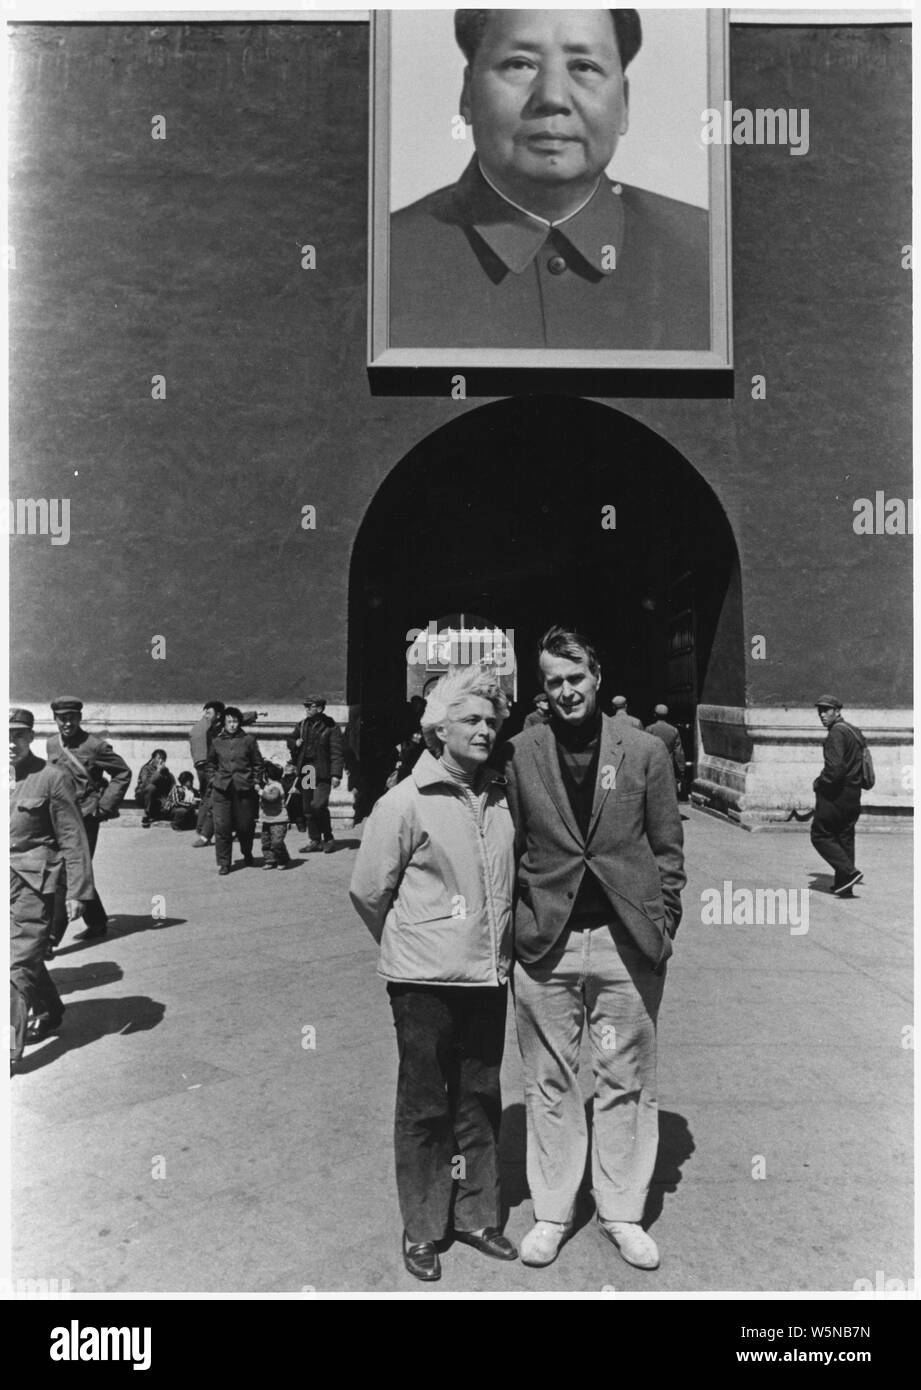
{"x": 182, "y": 803}
{"x": 274, "y": 818}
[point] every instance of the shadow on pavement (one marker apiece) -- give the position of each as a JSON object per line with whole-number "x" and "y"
{"x": 120, "y": 925}
{"x": 67, "y": 979}
{"x": 676, "y": 1144}
{"x": 88, "y": 1020}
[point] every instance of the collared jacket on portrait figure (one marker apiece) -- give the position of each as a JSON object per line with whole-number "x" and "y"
{"x": 435, "y": 876}
{"x": 634, "y": 844}
{"x": 630, "y": 270}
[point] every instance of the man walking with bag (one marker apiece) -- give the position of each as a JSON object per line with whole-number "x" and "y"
{"x": 837, "y": 795}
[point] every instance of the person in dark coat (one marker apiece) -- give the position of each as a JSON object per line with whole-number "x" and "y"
{"x": 101, "y": 780}
{"x": 47, "y": 834}
{"x": 235, "y": 763}
{"x": 201, "y": 736}
{"x": 534, "y": 246}
{"x": 837, "y": 796}
{"x": 154, "y": 784}
{"x": 316, "y": 750}
{"x": 672, "y": 740}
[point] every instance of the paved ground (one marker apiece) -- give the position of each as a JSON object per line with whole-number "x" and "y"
{"x": 182, "y": 1134}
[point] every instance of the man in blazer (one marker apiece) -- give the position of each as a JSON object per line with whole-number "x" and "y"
{"x": 600, "y": 871}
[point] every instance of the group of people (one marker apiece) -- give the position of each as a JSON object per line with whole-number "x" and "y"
{"x": 558, "y": 864}
{"x": 160, "y": 795}
{"x": 237, "y": 784}
{"x": 554, "y": 862}
{"x": 57, "y": 805}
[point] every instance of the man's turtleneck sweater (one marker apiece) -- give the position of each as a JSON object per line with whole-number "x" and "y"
{"x": 577, "y": 747}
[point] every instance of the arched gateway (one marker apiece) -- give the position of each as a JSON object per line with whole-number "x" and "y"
{"x": 535, "y": 511}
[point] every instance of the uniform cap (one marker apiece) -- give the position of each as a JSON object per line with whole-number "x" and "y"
{"x": 661, "y": 711}
{"x": 828, "y": 702}
{"x": 314, "y": 700}
{"x": 620, "y": 702}
{"x": 22, "y": 719}
{"x": 66, "y": 702}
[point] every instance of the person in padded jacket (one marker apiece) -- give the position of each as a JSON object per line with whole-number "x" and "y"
{"x": 235, "y": 761}
{"x": 433, "y": 882}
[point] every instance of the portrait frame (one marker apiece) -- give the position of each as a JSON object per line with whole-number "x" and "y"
{"x": 383, "y": 353}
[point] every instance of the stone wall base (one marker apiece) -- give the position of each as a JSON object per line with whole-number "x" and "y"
{"x": 756, "y": 766}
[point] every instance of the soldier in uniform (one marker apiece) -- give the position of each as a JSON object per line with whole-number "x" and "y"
{"x": 46, "y": 835}
{"x": 534, "y": 247}
{"x": 101, "y": 780}
{"x": 672, "y": 740}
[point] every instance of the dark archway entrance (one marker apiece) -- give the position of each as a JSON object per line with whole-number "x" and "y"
{"x": 502, "y": 513}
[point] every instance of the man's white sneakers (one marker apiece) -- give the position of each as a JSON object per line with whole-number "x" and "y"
{"x": 636, "y": 1247}
{"x": 542, "y": 1243}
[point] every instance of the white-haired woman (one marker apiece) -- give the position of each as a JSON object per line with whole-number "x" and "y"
{"x": 433, "y": 882}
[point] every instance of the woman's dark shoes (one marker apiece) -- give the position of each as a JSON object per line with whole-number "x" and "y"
{"x": 422, "y": 1260}
{"x": 489, "y": 1241}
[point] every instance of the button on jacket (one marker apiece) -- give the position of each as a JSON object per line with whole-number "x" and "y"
{"x": 434, "y": 879}
{"x": 634, "y": 839}
{"x": 234, "y": 759}
{"x": 99, "y": 760}
{"x": 46, "y": 832}
{"x": 629, "y": 270}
